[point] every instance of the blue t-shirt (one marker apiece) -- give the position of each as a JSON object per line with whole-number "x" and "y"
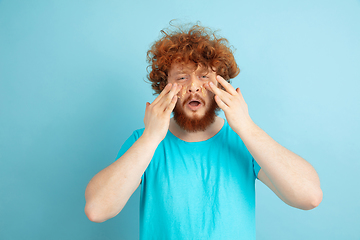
{"x": 198, "y": 190}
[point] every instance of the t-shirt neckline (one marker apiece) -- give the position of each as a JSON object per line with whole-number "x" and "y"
{"x": 201, "y": 142}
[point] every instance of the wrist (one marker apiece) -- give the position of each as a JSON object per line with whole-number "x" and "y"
{"x": 153, "y": 139}
{"x": 245, "y": 128}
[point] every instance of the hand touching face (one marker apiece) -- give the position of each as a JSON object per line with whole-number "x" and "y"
{"x": 157, "y": 114}
{"x": 232, "y": 102}
{"x": 194, "y": 98}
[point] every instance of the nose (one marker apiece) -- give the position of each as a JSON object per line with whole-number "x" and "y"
{"x": 195, "y": 86}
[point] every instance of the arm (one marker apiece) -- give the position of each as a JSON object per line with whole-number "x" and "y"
{"x": 110, "y": 189}
{"x": 291, "y": 178}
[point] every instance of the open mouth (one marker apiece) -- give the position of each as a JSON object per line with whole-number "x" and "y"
{"x": 194, "y": 103}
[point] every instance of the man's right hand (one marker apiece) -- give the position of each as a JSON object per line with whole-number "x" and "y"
{"x": 110, "y": 189}
{"x": 157, "y": 114}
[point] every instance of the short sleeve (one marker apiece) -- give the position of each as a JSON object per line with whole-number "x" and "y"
{"x": 129, "y": 142}
{"x": 256, "y": 167}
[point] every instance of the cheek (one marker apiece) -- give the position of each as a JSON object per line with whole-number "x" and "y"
{"x": 210, "y": 96}
{"x": 214, "y": 81}
{"x": 204, "y": 92}
{"x": 182, "y": 92}
{"x": 207, "y": 95}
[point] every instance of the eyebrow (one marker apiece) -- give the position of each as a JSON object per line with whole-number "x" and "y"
{"x": 179, "y": 72}
{"x": 201, "y": 71}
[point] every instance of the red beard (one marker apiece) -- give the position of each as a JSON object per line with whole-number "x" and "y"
{"x": 194, "y": 124}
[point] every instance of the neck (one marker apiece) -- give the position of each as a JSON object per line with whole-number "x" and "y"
{"x": 211, "y": 131}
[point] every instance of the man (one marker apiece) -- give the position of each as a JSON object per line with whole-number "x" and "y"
{"x": 197, "y": 171}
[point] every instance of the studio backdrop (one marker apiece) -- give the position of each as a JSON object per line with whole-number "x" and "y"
{"x": 73, "y": 88}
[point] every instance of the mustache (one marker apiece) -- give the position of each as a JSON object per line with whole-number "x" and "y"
{"x": 194, "y": 97}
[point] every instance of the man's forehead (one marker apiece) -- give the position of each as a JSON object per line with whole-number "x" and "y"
{"x": 178, "y": 68}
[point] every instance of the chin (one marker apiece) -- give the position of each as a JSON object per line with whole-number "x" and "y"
{"x": 200, "y": 120}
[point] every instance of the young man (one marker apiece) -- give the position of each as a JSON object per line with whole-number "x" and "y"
{"x": 197, "y": 171}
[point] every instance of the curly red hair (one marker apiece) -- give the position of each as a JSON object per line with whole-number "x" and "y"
{"x": 197, "y": 45}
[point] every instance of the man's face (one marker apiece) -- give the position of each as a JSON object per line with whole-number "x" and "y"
{"x": 196, "y": 108}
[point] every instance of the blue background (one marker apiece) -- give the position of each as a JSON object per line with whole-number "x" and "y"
{"x": 73, "y": 89}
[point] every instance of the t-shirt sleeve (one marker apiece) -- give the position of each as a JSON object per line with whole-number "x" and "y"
{"x": 128, "y": 143}
{"x": 256, "y": 167}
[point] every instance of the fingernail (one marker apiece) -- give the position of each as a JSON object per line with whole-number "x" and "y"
{"x": 211, "y": 84}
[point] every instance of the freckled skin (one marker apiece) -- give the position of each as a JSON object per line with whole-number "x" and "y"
{"x": 185, "y": 89}
{"x": 203, "y": 91}
{"x": 183, "y": 92}
{"x": 184, "y": 73}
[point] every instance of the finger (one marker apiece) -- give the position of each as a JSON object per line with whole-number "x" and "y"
{"x": 214, "y": 89}
{"x": 172, "y": 104}
{"x": 165, "y": 101}
{"x": 207, "y": 87}
{"x": 240, "y": 94}
{"x": 166, "y": 89}
{"x": 224, "y": 96}
{"x": 238, "y": 91}
{"x": 220, "y": 103}
{"x": 230, "y": 89}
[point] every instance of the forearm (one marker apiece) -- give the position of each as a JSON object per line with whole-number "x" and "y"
{"x": 293, "y": 178}
{"x": 288, "y": 175}
{"x": 109, "y": 190}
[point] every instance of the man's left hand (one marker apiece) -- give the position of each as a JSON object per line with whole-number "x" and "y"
{"x": 232, "y": 103}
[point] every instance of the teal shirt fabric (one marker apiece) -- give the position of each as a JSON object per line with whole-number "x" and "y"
{"x": 198, "y": 190}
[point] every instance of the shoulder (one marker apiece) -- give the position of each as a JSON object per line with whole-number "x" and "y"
{"x": 230, "y": 133}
